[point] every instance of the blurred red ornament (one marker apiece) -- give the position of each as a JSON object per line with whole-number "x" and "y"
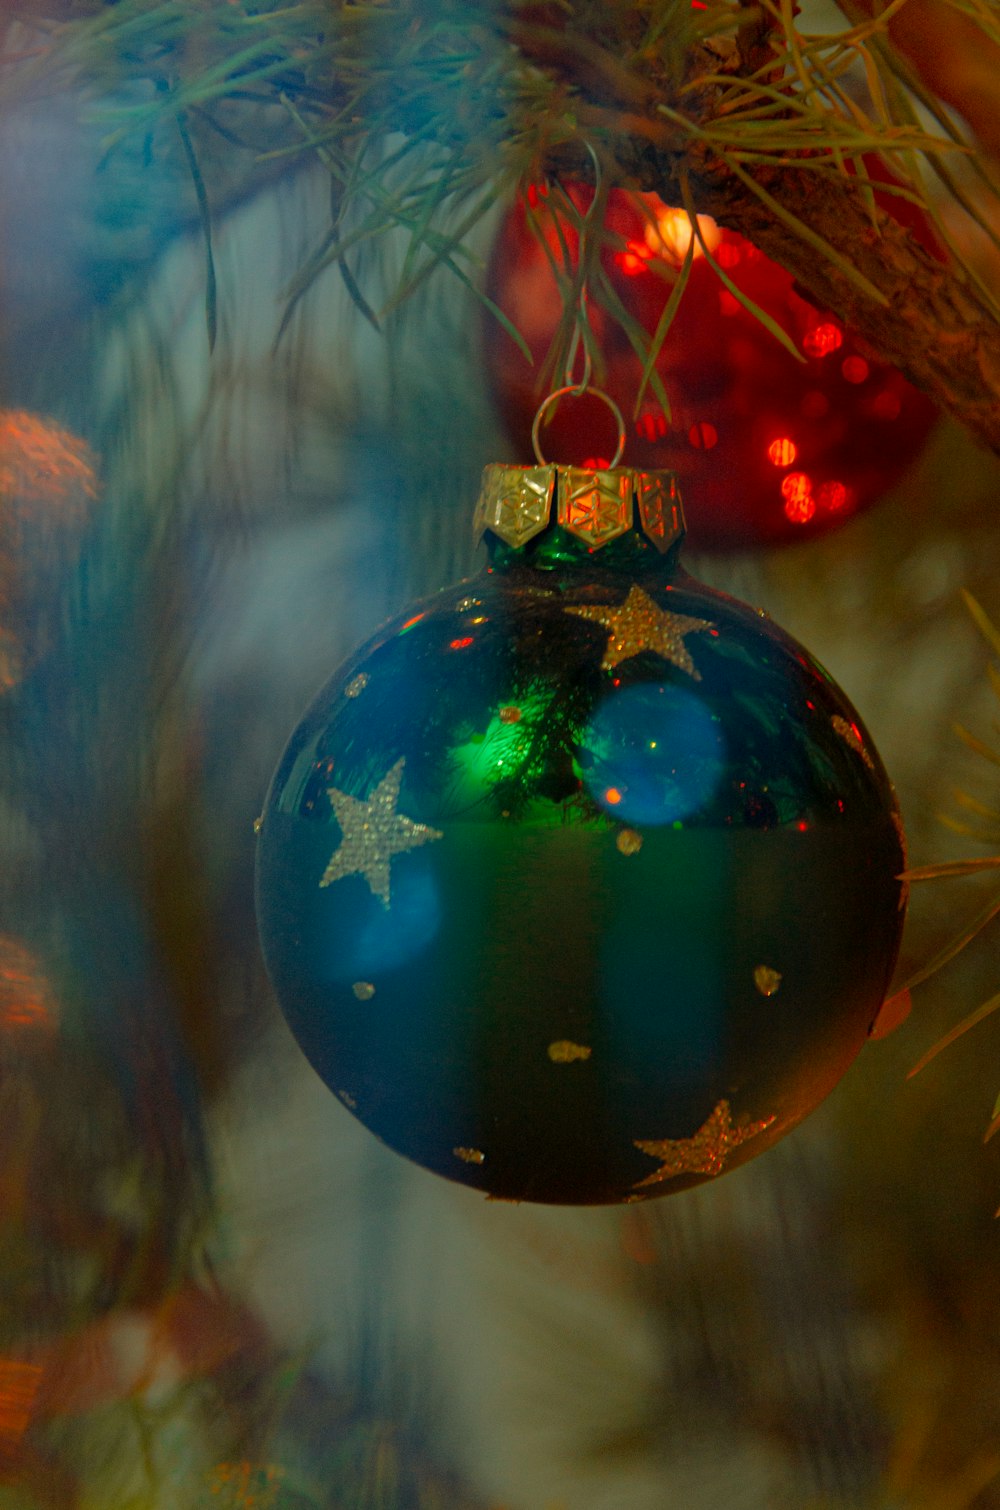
{"x": 767, "y": 449}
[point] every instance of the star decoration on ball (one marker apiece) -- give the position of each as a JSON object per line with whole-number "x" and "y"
{"x": 372, "y": 833}
{"x": 638, "y": 624}
{"x": 705, "y": 1151}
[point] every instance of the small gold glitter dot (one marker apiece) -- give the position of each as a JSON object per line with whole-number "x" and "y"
{"x": 347, "y": 1100}
{"x": 510, "y": 715}
{"x": 356, "y": 685}
{"x": 464, "y": 604}
{"x": 564, "y": 1052}
{"x": 363, "y": 990}
{"x": 629, "y": 842}
{"x": 470, "y": 1155}
{"x": 766, "y": 980}
{"x": 258, "y": 824}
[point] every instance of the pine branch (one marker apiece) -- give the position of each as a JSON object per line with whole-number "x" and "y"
{"x": 924, "y": 317}
{"x": 726, "y": 106}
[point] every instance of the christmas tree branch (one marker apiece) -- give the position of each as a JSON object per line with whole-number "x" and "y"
{"x": 929, "y": 319}
{"x": 728, "y": 106}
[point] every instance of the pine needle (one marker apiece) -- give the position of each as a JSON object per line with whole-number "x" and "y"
{"x": 974, "y": 1018}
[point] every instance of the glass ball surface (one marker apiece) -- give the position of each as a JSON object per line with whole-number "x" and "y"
{"x": 577, "y": 889}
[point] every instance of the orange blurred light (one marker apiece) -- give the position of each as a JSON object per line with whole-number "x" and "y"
{"x": 41, "y": 462}
{"x": 671, "y": 235}
{"x": 410, "y": 622}
{"x": 19, "y": 1383}
{"x": 634, "y": 258}
{"x": 613, "y": 795}
{"x": 832, "y": 496}
{"x": 25, "y": 999}
{"x": 782, "y": 452}
{"x": 796, "y": 489}
{"x": 822, "y": 339}
{"x": 703, "y": 436}
{"x": 855, "y": 369}
{"x": 461, "y": 644}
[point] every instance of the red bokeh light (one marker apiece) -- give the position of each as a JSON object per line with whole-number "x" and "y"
{"x": 703, "y": 436}
{"x": 800, "y": 505}
{"x": 822, "y": 339}
{"x": 832, "y": 495}
{"x": 782, "y": 452}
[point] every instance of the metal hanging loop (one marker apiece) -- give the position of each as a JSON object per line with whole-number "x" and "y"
{"x": 571, "y": 387}
{"x": 577, "y": 390}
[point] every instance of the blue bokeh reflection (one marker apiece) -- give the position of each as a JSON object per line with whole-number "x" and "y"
{"x": 652, "y": 754}
{"x": 386, "y": 938}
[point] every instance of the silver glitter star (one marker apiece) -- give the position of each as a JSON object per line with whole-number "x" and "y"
{"x": 372, "y": 832}
{"x": 638, "y": 624}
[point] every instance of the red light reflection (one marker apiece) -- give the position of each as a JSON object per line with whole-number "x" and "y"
{"x": 703, "y": 436}
{"x": 782, "y": 452}
{"x": 800, "y": 505}
{"x": 822, "y": 339}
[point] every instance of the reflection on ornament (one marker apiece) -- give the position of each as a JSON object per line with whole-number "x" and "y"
{"x": 705, "y": 1152}
{"x": 357, "y": 686}
{"x": 743, "y": 410}
{"x": 363, "y": 990}
{"x": 638, "y": 624}
{"x": 371, "y": 833}
{"x": 576, "y": 968}
{"x": 652, "y": 753}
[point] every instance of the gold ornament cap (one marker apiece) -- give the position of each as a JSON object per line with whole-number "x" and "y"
{"x": 597, "y": 505}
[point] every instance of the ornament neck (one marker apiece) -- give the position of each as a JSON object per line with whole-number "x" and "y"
{"x": 550, "y": 518}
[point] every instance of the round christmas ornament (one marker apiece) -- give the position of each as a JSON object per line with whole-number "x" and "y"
{"x": 811, "y": 442}
{"x": 579, "y": 882}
